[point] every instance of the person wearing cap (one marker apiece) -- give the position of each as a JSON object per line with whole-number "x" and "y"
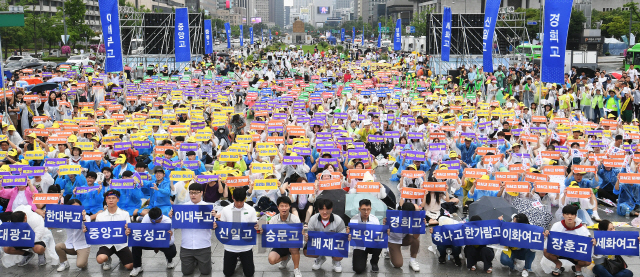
{"x": 612, "y": 102}
{"x": 155, "y": 215}
{"x": 113, "y": 213}
{"x": 475, "y": 194}
{"x": 191, "y": 156}
{"x": 68, "y": 183}
{"x": 239, "y": 211}
{"x": 284, "y": 255}
{"x": 161, "y": 189}
{"x": 467, "y": 150}
{"x": 92, "y": 200}
{"x": 195, "y": 245}
{"x": 13, "y": 135}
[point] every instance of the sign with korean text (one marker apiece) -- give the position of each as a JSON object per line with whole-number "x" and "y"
{"x": 105, "y": 232}
{"x": 569, "y": 245}
{"x": 153, "y": 235}
{"x": 368, "y": 235}
{"x": 328, "y": 244}
{"x": 192, "y": 217}
{"x": 63, "y": 216}
{"x": 282, "y": 235}
{"x": 616, "y": 243}
{"x": 236, "y": 233}
{"x": 16, "y": 234}
{"x": 406, "y": 222}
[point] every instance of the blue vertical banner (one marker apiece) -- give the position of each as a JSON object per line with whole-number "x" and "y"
{"x": 362, "y": 42}
{"x": 490, "y": 16}
{"x": 269, "y": 34}
{"x": 557, "y": 14}
{"x": 397, "y": 36}
{"x": 251, "y": 35}
{"x": 110, "y": 20}
{"x": 445, "y": 47}
{"x": 208, "y": 45}
{"x": 181, "y": 36}
{"x": 379, "y": 33}
{"x": 241, "y": 36}
{"x": 227, "y": 30}
{"x": 353, "y": 37}
{"x": 342, "y": 35}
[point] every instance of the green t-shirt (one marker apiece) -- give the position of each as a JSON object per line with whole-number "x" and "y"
{"x": 611, "y": 104}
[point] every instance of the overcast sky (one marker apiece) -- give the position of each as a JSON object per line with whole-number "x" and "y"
{"x": 288, "y": 2}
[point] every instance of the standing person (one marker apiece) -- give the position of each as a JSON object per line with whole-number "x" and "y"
{"x": 195, "y": 245}
{"x": 324, "y": 221}
{"x": 284, "y": 255}
{"x": 238, "y": 212}
{"x": 154, "y": 216}
{"x": 397, "y": 240}
{"x": 571, "y": 224}
{"x": 475, "y": 253}
{"x": 360, "y": 254}
{"x": 113, "y": 213}
{"x": 76, "y": 244}
{"x": 509, "y": 256}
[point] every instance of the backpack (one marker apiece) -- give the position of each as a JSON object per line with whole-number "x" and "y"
{"x": 266, "y": 205}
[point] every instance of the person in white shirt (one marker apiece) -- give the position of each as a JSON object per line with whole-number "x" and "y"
{"x": 195, "y": 246}
{"x": 360, "y": 254}
{"x": 238, "y": 212}
{"x": 284, "y": 255}
{"x": 154, "y": 216}
{"x": 113, "y": 213}
{"x": 75, "y": 244}
{"x": 571, "y": 224}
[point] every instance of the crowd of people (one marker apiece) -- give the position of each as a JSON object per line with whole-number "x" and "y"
{"x": 327, "y": 107}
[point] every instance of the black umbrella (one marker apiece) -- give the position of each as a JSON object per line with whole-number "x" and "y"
{"x": 222, "y": 54}
{"x": 339, "y": 199}
{"x": 44, "y": 86}
{"x": 491, "y": 207}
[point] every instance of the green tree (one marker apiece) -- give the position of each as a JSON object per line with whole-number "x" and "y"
{"x": 576, "y": 25}
{"x": 419, "y": 21}
{"x": 77, "y": 30}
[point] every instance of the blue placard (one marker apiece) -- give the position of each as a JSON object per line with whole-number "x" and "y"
{"x": 490, "y": 18}
{"x": 251, "y": 35}
{"x": 192, "y": 217}
{"x": 368, "y": 235}
{"x": 482, "y": 232}
{"x": 445, "y": 48}
{"x": 208, "y": 42}
{"x": 556, "y": 28}
{"x": 282, "y": 235}
{"x": 192, "y": 165}
{"x": 181, "y": 36}
{"x": 236, "y": 233}
{"x": 16, "y": 234}
{"x": 154, "y": 235}
{"x": 106, "y": 232}
{"x": 63, "y": 216}
{"x": 406, "y": 222}
{"x": 328, "y": 244}
{"x": 448, "y": 235}
{"x": 522, "y": 236}
{"x": 111, "y": 33}
{"x": 616, "y": 243}
{"x": 569, "y": 245}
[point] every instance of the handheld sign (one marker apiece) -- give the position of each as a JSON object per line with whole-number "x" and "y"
{"x": 616, "y": 243}
{"x": 301, "y": 188}
{"x": 373, "y": 187}
{"x": 368, "y": 235}
{"x": 265, "y": 184}
{"x": 236, "y": 233}
{"x": 412, "y": 193}
{"x": 237, "y": 181}
{"x": 578, "y": 192}
{"x": 16, "y": 234}
{"x": 69, "y": 169}
{"x": 330, "y": 184}
{"x": 63, "y": 216}
{"x": 46, "y": 198}
{"x": 282, "y": 235}
{"x": 569, "y": 245}
{"x": 435, "y": 186}
{"x": 105, "y": 232}
{"x": 406, "y": 222}
{"x": 328, "y": 244}
{"x": 192, "y": 217}
{"x": 154, "y": 235}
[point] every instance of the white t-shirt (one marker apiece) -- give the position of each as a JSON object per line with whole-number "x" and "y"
{"x": 21, "y": 199}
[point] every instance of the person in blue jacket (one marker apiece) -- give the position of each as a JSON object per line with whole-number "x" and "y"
{"x": 467, "y": 149}
{"x": 608, "y": 178}
{"x": 161, "y": 195}
{"x": 197, "y": 170}
{"x": 122, "y": 166}
{"x": 130, "y": 199}
{"x": 91, "y": 201}
{"x": 95, "y": 166}
{"x": 69, "y": 182}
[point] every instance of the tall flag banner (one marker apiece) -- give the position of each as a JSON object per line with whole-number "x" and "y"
{"x": 362, "y": 42}
{"x": 445, "y": 47}
{"x": 379, "y": 33}
{"x": 397, "y": 36}
{"x": 269, "y": 34}
{"x": 557, "y": 14}
{"x": 251, "y": 35}
{"x": 208, "y": 45}
{"x": 241, "y": 36}
{"x": 353, "y": 37}
{"x": 342, "y": 35}
{"x": 261, "y": 35}
{"x": 110, "y": 20}
{"x": 490, "y": 16}
{"x": 181, "y": 36}
{"x": 227, "y": 30}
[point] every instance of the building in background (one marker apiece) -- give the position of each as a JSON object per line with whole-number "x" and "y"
{"x": 342, "y": 4}
{"x": 276, "y": 12}
{"x": 287, "y": 16}
{"x": 192, "y": 5}
{"x": 367, "y": 10}
{"x": 262, "y": 10}
{"x": 402, "y": 9}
